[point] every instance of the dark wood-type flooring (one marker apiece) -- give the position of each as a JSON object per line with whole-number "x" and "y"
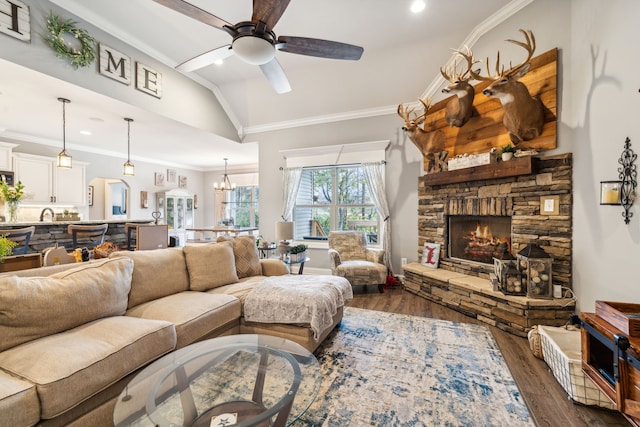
{"x": 547, "y": 401}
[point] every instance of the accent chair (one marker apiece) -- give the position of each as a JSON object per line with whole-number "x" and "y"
{"x": 352, "y": 259}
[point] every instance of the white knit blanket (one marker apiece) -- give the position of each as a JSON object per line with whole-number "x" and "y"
{"x": 311, "y": 299}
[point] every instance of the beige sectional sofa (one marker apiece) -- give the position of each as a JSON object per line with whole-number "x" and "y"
{"x": 72, "y": 336}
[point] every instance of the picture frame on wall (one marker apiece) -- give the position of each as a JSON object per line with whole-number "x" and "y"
{"x": 159, "y": 179}
{"x": 144, "y": 200}
{"x": 182, "y": 181}
{"x": 172, "y": 176}
{"x": 431, "y": 254}
{"x": 90, "y": 195}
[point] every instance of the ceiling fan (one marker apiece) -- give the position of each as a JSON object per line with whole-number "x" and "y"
{"x": 255, "y": 42}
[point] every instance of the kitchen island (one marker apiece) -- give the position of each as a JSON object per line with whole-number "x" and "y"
{"x": 48, "y": 234}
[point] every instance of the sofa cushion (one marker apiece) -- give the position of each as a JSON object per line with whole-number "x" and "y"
{"x": 69, "y": 367}
{"x": 195, "y": 314}
{"x": 34, "y": 307}
{"x": 210, "y": 265}
{"x": 19, "y": 403}
{"x": 246, "y": 255}
{"x": 157, "y": 273}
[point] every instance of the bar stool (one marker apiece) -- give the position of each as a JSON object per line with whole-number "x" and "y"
{"x": 94, "y": 233}
{"x": 130, "y": 230}
{"x": 21, "y": 236}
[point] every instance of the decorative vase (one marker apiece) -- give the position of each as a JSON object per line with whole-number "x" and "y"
{"x": 12, "y": 211}
{"x": 507, "y": 156}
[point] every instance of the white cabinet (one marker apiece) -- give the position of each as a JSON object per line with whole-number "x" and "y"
{"x": 45, "y": 183}
{"x": 177, "y": 211}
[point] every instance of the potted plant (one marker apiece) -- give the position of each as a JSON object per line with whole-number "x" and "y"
{"x": 6, "y": 247}
{"x": 297, "y": 253}
{"x": 12, "y": 197}
{"x": 507, "y": 152}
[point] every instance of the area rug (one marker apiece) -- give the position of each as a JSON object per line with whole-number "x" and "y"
{"x": 384, "y": 369}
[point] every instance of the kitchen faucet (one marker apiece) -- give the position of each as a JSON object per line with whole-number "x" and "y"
{"x": 43, "y": 211}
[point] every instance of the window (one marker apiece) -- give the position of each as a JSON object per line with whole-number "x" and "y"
{"x": 243, "y": 206}
{"x": 334, "y": 198}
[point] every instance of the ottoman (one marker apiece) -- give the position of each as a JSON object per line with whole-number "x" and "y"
{"x": 307, "y": 306}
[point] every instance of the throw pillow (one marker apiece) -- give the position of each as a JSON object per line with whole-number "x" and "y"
{"x": 246, "y": 255}
{"x": 210, "y": 266}
{"x": 35, "y": 307}
{"x": 157, "y": 273}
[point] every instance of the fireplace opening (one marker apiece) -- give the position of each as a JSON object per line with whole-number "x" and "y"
{"x": 479, "y": 238}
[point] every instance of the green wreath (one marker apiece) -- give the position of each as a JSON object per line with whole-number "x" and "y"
{"x": 78, "y": 58}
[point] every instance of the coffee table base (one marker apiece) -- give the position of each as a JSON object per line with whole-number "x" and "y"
{"x": 243, "y": 410}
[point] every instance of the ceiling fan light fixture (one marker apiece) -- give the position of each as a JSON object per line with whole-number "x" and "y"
{"x": 254, "y": 50}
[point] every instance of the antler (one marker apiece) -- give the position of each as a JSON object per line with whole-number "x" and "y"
{"x": 426, "y": 104}
{"x": 404, "y": 112}
{"x": 451, "y": 73}
{"x": 529, "y": 45}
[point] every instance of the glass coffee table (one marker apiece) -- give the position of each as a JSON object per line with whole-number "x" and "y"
{"x": 237, "y": 380}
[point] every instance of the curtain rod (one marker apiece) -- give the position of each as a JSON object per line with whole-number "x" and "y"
{"x": 343, "y": 165}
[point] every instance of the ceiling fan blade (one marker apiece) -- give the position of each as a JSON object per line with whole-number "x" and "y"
{"x": 205, "y": 59}
{"x": 276, "y": 76}
{"x": 194, "y": 12}
{"x": 269, "y": 11}
{"x": 319, "y": 47}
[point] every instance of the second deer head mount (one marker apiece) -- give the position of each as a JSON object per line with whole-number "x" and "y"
{"x": 459, "y": 108}
{"x": 523, "y": 113}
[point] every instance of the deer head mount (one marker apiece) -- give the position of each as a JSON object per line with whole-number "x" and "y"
{"x": 430, "y": 144}
{"x": 523, "y": 114}
{"x": 459, "y": 109}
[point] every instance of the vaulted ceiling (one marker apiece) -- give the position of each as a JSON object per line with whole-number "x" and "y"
{"x": 402, "y": 54}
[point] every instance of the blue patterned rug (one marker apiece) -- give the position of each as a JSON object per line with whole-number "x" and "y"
{"x": 384, "y": 369}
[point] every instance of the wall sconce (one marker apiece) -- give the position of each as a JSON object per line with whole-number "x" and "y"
{"x": 623, "y": 191}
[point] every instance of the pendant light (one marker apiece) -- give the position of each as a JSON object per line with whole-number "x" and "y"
{"x": 226, "y": 184}
{"x": 64, "y": 159}
{"x": 128, "y": 166}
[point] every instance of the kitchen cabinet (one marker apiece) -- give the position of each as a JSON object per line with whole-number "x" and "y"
{"x": 47, "y": 184}
{"x": 177, "y": 211}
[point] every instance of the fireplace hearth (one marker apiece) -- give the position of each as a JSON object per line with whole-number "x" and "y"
{"x": 479, "y": 238}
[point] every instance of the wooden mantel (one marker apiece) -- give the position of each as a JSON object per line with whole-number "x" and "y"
{"x": 515, "y": 167}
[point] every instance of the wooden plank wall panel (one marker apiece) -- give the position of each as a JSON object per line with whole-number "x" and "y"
{"x": 485, "y": 129}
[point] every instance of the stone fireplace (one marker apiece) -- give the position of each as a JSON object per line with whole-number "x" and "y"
{"x": 476, "y": 212}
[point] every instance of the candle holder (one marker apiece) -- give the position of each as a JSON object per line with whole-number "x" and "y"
{"x": 610, "y": 192}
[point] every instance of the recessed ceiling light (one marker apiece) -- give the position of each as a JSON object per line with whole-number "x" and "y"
{"x": 418, "y": 6}
{"x": 96, "y": 119}
{"x": 85, "y": 132}
{"x": 218, "y": 62}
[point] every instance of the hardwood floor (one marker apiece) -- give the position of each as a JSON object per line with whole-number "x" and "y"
{"x": 546, "y": 399}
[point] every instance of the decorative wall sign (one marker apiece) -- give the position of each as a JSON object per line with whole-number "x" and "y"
{"x": 61, "y": 39}
{"x": 431, "y": 254}
{"x": 114, "y": 64}
{"x": 148, "y": 80}
{"x": 182, "y": 181}
{"x": 172, "y": 177}
{"x": 144, "y": 200}
{"x": 15, "y": 19}
{"x": 159, "y": 179}
{"x": 90, "y": 195}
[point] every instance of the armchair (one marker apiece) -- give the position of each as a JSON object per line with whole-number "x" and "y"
{"x": 350, "y": 258}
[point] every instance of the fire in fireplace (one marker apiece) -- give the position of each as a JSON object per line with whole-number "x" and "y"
{"x": 479, "y": 238}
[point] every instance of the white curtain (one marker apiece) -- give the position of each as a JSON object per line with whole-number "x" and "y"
{"x": 374, "y": 174}
{"x": 290, "y": 187}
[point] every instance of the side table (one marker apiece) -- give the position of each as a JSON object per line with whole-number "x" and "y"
{"x": 301, "y": 263}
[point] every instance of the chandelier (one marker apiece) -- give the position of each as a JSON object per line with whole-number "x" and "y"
{"x": 226, "y": 184}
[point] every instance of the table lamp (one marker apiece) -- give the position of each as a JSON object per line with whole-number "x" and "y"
{"x": 284, "y": 233}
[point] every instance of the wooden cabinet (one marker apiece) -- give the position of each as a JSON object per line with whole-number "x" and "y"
{"x": 177, "y": 209}
{"x": 48, "y": 184}
{"x": 611, "y": 359}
